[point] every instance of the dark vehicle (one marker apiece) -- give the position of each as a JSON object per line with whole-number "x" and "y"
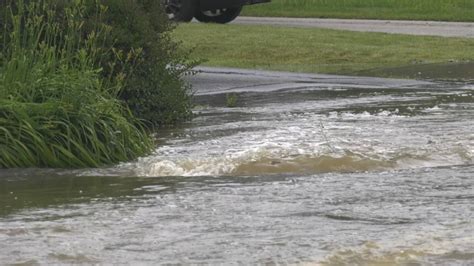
{"x": 216, "y": 11}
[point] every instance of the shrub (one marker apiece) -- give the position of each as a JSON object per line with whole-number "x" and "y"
{"x": 140, "y": 52}
{"x": 154, "y": 89}
{"x": 55, "y": 108}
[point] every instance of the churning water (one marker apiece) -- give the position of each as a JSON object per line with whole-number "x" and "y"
{"x": 310, "y": 175}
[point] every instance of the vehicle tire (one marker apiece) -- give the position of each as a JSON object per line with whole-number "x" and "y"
{"x": 181, "y": 10}
{"x": 222, "y": 16}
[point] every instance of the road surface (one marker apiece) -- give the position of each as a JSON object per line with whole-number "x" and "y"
{"x": 428, "y": 28}
{"x": 231, "y": 80}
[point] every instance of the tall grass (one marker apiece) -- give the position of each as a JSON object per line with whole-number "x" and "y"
{"x": 450, "y": 10}
{"x": 56, "y": 110}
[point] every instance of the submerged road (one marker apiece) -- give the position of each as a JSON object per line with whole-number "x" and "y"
{"x": 211, "y": 80}
{"x": 427, "y": 28}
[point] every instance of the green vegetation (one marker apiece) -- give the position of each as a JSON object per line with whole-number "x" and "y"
{"x": 55, "y": 110}
{"x": 231, "y": 100}
{"x": 154, "y": 89}
{"x": 72, "y": 74}
{"x": 316, "y": 50}
{"x": 447, "y": 10}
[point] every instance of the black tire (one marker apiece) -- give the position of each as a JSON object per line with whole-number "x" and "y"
{"x": 218, "y": 16}
{"x": 181, "y": 10}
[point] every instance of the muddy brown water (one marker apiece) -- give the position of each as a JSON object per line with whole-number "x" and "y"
{"x": 312, "y": 175}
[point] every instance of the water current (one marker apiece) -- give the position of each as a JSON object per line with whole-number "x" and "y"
{"x": 332, "y": 175}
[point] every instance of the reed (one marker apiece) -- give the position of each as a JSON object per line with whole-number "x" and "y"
{"x": 56, "y": 109}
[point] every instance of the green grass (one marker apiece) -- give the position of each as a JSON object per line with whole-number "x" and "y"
{"x": 445, "y": 10}
{"x": 316, "y": 50}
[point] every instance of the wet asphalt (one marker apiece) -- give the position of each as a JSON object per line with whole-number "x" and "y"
{"x": 211, "y": 80}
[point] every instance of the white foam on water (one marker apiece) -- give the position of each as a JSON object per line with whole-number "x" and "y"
{"x": 310, "y": 143}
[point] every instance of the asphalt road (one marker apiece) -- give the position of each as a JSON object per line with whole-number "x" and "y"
{"x": 429, "y": 28}
{"x": 231, "y": 80}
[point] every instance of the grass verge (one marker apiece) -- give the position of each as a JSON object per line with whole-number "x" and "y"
{"x": 316, "y": 50}
{"x": 444, "y": 10}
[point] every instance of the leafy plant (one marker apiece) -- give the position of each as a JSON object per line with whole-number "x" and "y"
{"x": 154, "y": 88}
{"x": 56, "y": 110}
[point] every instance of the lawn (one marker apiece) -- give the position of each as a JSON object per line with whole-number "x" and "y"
{"x": 316, "y": 50}
{"x": 445, "y": 10}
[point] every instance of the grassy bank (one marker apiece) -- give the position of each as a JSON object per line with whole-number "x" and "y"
{"x": 316, "y": 50}
{"x": 445, "y": 10}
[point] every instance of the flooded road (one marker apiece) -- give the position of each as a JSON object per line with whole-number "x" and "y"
{"x": 303, "y": 169}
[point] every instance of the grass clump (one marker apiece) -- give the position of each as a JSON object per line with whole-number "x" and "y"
{"x": 231, "y": 100}
{"x": 444, "y": 10}
{"x": 56, "y": 107}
